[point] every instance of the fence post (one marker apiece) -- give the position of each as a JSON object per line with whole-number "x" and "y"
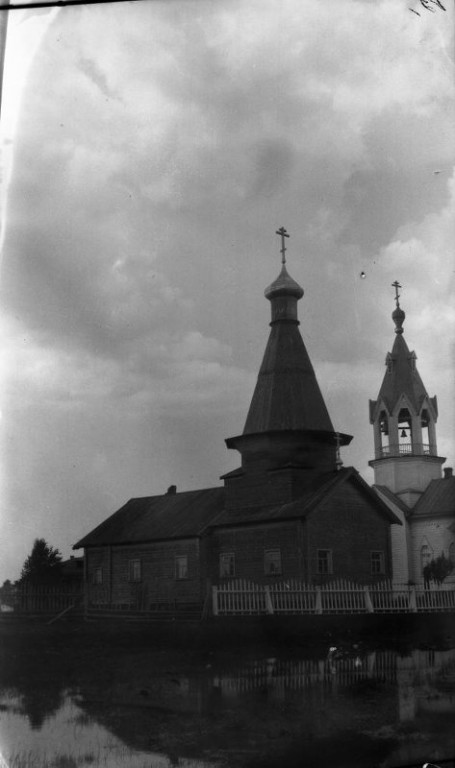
{"x": 368, "y": 604}
{"x": 412, "y": 600}
{"x": 318, "y": 604}
{"x": 215, "y": 600}
{"x": 268, "y": 600}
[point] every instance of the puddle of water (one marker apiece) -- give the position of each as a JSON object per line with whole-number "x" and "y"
{"x": 69, "y": 739}
{"x": 348, "y": 708}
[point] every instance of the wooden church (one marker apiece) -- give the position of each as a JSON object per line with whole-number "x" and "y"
{"x": 290, "y": 510}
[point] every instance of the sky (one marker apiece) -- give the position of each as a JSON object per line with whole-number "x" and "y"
{"x": 150, "y": 151}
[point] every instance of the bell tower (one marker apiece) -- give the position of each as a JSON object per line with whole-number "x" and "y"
{"x": 404, "y": 419}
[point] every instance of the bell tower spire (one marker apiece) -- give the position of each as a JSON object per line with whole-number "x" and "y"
{"x": 403, "y": 419}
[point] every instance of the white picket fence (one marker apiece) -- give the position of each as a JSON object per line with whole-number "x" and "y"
{"x": 242, "y": 597}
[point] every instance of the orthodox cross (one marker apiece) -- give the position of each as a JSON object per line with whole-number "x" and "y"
{"x": 396, "y": 285}
{"x": 282, "y": 232}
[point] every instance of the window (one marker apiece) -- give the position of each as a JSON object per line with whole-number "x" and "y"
{"x": 181, "y": 567}
{"x": 405, "y": 430}
{"x": 98, "y": 576}
{"x": 384, "y": 433}
{"x": 272, "y": 562}
{"x": 377, "y": 563}
{"x": 134, "y": 570}
{"x": 325, "y": 561}
{"x": 452, "y": 553}
{"x": 227, "y": 564}
{"x": 425, "y": 425}
{"x": 425, "y": 556}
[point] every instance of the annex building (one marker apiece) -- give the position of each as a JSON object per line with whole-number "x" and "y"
{"x": 290, "y": 510}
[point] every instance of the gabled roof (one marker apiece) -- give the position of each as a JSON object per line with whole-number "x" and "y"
{"x": 393, "y": 498}
{"x": 321, "y": 490}
{"x": 438, "y": 498}
{"x": 156, "y": 518}
{"x": 402, "y": 379}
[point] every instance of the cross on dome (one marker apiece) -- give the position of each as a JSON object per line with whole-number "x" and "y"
{"x": 282, "y": 232}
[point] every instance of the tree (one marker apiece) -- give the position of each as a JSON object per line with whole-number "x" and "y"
{"x": 42, "y": 566}
{"x": 437, "y": 570}
{"x": 6, "y": 592}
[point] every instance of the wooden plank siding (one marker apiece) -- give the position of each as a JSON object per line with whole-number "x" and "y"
{"x": 249, "y": 543}
{"x": 349, "y": 526}
{"x": 158, "y": 583}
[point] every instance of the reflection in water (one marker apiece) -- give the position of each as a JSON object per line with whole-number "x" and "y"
{"x": 375, "y": 708}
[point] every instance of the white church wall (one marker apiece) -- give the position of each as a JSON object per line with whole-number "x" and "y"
{"x": 399, "y": 542}
{"x": 437, "y": 536}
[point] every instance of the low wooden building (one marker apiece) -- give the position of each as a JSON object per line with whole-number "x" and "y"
{"x": 152, "y": 552}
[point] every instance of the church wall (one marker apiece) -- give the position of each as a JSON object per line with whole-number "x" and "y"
{"x": 158, "y": 576}
{"x": 400, "y": 550}
{"x": 436, "y": 534}
{"x": 249, "y": 543}
{"x": 350, "y": 527}
{"x": 402, "y": 473}
{"x": 399, "y": 535}
{"x": 257, "y": 488}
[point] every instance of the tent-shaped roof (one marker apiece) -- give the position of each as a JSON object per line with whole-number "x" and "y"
{"x": 402, "y": 377}
{"x": 287, "y": 394}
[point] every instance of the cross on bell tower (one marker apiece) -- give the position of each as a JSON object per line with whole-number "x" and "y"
{"x": 396, "y": 285}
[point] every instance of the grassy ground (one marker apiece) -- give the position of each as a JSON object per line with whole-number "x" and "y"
{"x": 77, "y": 636}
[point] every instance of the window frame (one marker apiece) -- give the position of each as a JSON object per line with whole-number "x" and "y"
{"x": 269, "y": 569}
{"x": 177, "y": 573}
{"x": 426, "y": 555}
{"x": 223, "y": 557}
{"x": 98, "y": 576}
{"x": 374, "y": 562}
{"x": 329, "y": 561}
{"x": 134, "y": 578}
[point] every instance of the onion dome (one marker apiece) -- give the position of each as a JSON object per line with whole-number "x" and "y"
{"x": 284, "y": 294}
{"x": 284, "y": 285}
{"x": 398, "y": 317}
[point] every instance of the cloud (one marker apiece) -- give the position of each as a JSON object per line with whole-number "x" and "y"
{"x": 98, "y": 77}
